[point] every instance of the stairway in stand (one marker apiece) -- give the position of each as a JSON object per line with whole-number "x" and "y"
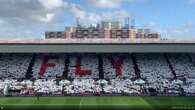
{"x": 100, "y": 67}
{"x": 135, "y": 66}
{"x": 29, "y": 71}
{"x": 170, "y": 66}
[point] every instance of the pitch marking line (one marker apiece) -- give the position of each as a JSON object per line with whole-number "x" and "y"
{"x": 65, "y": 104}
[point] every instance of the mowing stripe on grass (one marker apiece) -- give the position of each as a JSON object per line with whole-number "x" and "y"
{"x": 97, "y": 102}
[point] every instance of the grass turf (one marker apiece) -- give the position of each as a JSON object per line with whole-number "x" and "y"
{"x": 83, "y": 103}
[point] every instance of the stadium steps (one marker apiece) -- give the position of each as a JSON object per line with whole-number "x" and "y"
{"x": 190, "y": 59}
{"x": 66, "y": 68}
{"x": 170, "y": 66}
{"x": 100, "y": 67}
{"x": 135, "y": 66}
{"x": 29, "y": 73}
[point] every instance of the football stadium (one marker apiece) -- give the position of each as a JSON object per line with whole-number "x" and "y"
{"x": 94, "y": 55}
{"x": 56, "y": 74}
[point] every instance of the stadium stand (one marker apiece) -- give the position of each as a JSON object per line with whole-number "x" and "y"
{"x": 48, "y": 66}
{"x": 120, "y": 66}
{"x": 88, "y": 62}
{"x": 96, "y": 74}
{"x": 182, "y": 65}
{"x": 14, "y": 66}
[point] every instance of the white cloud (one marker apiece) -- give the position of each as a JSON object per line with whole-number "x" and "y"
{"x": 44, "y": 11}
{"x": 28, "y": 15}
{"x": 87, "y": 18}
{"x": 29, "y": 11}
{"x": 76, "y": 11}
{"x": 105, "y": 3}
{"x": 1, "y": 21}
{"x": 185, "y": 32}
{"x": 111, "y": 3}
{"x": 191, "y": 2}
{"x": 28, "y": 18}
{"x": 52, "y": 4}
{"x": 181, "y": 32}
{"x": 47, "y": 18}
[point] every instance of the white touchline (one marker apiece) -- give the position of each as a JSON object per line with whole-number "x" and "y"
{"x": 65, "y": 104}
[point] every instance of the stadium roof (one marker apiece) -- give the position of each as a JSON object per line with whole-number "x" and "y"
{"x": 96, "y": 46}
{"x": 92, "y": 41}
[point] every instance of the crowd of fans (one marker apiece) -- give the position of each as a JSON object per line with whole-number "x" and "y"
{"x": 79, "y": 74}
{"x": 182, "y": 65}
{"x": 112, "y": 63}
{"x": 86, "y": 61}
{"x": 13, "y": 65}
{"x": 153, "y": 66}
{"x": 56, "y": 63}
{"x": 67, "y": 87}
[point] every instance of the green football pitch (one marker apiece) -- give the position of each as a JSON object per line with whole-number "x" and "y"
{"x": 83, "y": 103}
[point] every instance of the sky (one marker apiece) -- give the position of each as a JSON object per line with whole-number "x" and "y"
{"x": 29, "y": 19}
